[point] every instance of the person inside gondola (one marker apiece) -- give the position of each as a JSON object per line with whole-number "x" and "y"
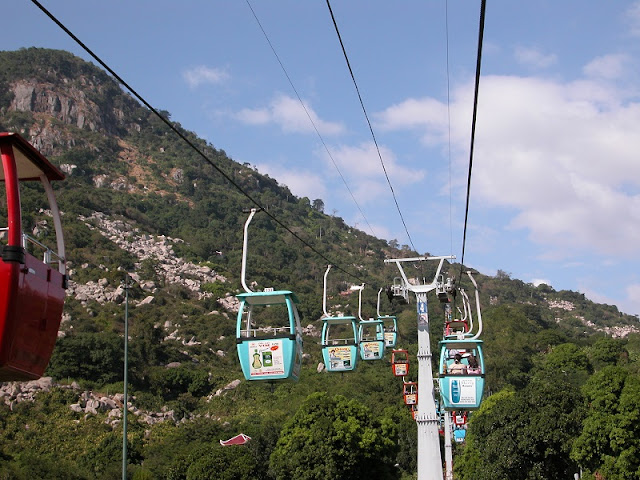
{"x": 457, "y": 367}
{"x": 473, "y": 365}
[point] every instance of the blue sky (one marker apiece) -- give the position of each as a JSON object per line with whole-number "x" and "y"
{"x": 555, "y": 192}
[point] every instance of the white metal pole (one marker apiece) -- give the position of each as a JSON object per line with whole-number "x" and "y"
{"x": 448, "y": 449}
{"x": 324, "y": 292}
{"x": 429, "y": 458}
{"x": 245, "y": 243}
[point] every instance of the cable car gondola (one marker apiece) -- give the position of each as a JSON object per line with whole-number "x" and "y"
{"x": 32, "y": 290}
{"x": 390, "y": 326}
{"x": 267, "y": 351}
{"x": 459, "y": 435}
{"x": 370, "y": 333}
{"x": 462, "y": 370}
{"x": 339, "y": 338}
{"x": 339, "y": 344}
{"x": 371, "y": 336}
{"x": 400, "y": 363}
{"x": 410, "y": 393}
{"x": 459, "y": 418}
{"x": 414, "y": 410}
{"x": 461, "y": 374}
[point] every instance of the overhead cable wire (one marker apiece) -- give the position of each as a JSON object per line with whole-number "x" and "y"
{"x": 309, "y": 116}
{"x": 189, "y": 142}
{"x": 446, "y": 26}
{"x": 344, "y": 52}
{"x": 473, "y": 127}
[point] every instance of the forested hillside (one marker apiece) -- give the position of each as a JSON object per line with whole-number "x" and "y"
{"x": 140, "y": 203}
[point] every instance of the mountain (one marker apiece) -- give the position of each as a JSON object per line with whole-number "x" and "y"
{"x": 141, "y": 205}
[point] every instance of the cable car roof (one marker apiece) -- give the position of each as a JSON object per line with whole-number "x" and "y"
{"x": 339, "y": 319}
{"x": 461, "y": 344}
{"x": 268, "y": 298}
{"x": 30, "y": 163}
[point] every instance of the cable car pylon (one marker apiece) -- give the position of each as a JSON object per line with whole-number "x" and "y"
{"x": 429, "y": 458}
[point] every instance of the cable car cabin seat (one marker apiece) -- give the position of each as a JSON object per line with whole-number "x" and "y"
{"x": 339, "y": 344}
{"x": 461, "y": 374}
{"x": 371, "y": 338}
{"x": 32, "y": 275}
{"x": 269, "y": 352}
{"x": 390, "y": 330}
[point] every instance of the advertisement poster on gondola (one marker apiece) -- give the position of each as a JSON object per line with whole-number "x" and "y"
{"x": 266, "y": 358}
{"x": 371, "y": 350}
{"x": 463, "y": 391}
{"x": 400, "y": 369}
{"x": 340, "y": 358}
{"x": 389, "y": 339}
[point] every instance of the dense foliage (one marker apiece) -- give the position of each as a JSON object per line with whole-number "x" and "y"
{"x": 562, "y": 395}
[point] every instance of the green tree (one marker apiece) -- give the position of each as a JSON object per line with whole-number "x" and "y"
{"x": 566, "y": 360}
{"x": 610, "y": 438}
{"x": 222, "y": 463}
{"x": 524, "y": 435}
{"x": 98, "y": 357}
{"x": 334, "y": 438}
{"x": 607, "y": 351}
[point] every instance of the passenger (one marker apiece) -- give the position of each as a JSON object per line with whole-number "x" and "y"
{"x": 473, "y": 365}
{"x": 457, "y": 367}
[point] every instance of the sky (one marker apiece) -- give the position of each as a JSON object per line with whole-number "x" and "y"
{"x": 555, "y": 183}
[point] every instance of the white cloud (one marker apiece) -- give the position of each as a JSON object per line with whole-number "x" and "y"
{"x": 290, "y": 115}
{"x": 562, "y": 156}
{"x": 254, "y": 117}
{"x": 631, "y": 304}
{"x": 360, "y": 166}
{"x": 607, "y": 66}
{"x": 201, "y": 74}
{"x": 565, "y": 158}
{"x": 539, "y": 281}
{"x": 425, "y": 114}
{"x": 534, "y": 58}
{"x": 301, "y": 183}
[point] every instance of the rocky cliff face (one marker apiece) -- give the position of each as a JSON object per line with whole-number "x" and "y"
{"x": 78, "y": 102}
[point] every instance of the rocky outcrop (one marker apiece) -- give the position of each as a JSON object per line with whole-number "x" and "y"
{"x": 84, "y": 102}
{"x": 618, "y": 331}
{"x": 70, "y": 106}
{"x": 168, "y": 266}
{"x": 89, "y": 403}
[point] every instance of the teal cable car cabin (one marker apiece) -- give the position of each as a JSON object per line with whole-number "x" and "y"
{"x": 390, "y": 324}
{"x": 461, "y": 374}
{"x": 339, "y": 338}
{"x": 268, "y": 331}
{"x": 269, "y": 352}
{"x": 339, "y": 344}
{"x": 371, "y": 338}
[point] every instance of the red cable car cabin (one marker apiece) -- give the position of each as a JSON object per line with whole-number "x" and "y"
{"x": 400, "y": 363}
{"x": 32, "y": 289}
{"x": 410, "y": 393}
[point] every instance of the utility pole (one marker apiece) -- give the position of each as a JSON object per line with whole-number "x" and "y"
{"x": 126, "y": 375}
{"x": 429, "y": 458}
